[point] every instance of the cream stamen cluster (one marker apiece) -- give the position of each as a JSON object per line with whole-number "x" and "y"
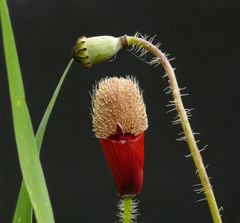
{"x": 118, "y": 102}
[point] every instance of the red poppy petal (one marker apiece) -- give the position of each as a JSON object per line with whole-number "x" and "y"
{"x": 125, "y": 159}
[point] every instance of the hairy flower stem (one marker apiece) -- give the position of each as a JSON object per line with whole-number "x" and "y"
{"x": 127, "y": 209}
{"x": 197, "y": 158}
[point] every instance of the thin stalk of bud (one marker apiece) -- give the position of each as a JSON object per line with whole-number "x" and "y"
{"x": 127, "y": 209}
{"x": 197, "y": 158}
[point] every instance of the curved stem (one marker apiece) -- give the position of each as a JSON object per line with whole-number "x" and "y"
{"x": 197, "y": 158}
{"x": 127, "y": 209}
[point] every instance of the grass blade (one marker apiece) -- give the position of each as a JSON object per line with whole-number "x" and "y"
{"x": 26, "y": 144}
{"x": 24, "y": 208}
{"x": 23, "y": 212}
{"x": 44, "y": 121}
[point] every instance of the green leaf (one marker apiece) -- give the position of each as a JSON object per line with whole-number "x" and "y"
{"x": 43, "y": 124}
{"x": 23, "y": 212}
{"x": 24, "y": 209}
{"x": 26, "y": 144}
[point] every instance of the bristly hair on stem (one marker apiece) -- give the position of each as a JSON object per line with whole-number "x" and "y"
{"x": 128, "y": 210}
{"x": 142, "y": 53}
{"x": 141, "y": 46}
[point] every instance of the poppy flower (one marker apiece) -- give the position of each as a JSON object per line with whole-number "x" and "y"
{"x": 119, "y": 122}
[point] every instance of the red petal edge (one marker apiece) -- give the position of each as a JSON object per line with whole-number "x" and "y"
{"x": 125, "y": 158}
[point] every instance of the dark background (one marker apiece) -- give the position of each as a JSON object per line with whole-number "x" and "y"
{"x": 203, "y": 36}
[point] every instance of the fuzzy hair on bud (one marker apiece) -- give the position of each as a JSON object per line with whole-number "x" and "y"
{"x": 118, "y": 102}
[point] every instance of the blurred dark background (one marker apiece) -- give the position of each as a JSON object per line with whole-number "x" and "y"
{"x": 203, "y": 36}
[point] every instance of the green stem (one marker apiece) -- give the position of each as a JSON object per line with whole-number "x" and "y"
{"x": 197, "y": 158}
{"x": 127, "y": 209}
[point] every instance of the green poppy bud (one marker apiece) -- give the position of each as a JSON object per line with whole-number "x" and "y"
{"x": 93, "y": 50}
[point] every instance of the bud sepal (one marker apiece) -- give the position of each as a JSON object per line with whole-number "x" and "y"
{"x": 94, "y": 50}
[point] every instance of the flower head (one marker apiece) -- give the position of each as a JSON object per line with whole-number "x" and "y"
{"x": 119, "y": 121}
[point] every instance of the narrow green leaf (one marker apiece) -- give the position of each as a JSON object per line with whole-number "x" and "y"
{"x": 23, "y": 212}
{"x": 26, "y": 144}
{"x": 43, "y": 124}
{"x": 24, "y": 209}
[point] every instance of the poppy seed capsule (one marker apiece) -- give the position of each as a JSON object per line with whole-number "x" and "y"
{"x": 93, "y": 50}
{"x": 119, "y": 121}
